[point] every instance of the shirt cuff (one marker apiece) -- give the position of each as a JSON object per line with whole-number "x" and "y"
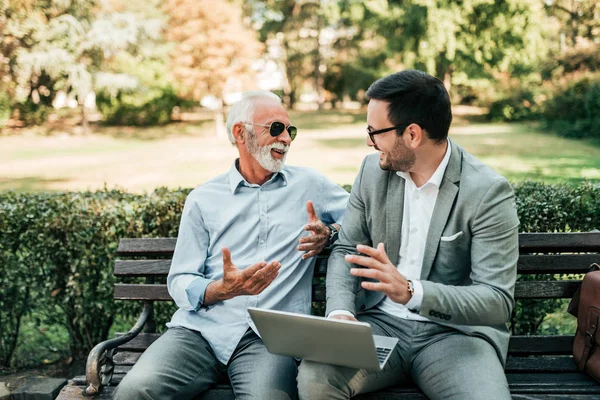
{"x": 340, "y": 312}
{"x": 195, "y": 292}
{"x": 415, "y": 302}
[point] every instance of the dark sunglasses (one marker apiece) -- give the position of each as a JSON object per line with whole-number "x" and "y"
{"x": 372, "y": 134}
{"x": 276, "y": 128}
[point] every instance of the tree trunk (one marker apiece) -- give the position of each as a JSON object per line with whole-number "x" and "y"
{"x": 448, "y": 79}
{"x": 319, "y": 81}
{"x": 220, "y": 119}
{"x": 444, "y": 70}
{"x": 84, "y": 119}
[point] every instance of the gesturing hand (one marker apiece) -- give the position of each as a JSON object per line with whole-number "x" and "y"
{"x": 379, "y": 267}
{"x": 249, "y": 281}
{"x": 314, "y": 243}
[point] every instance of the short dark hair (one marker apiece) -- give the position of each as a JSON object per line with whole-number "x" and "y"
{"x": 415, "y": 97}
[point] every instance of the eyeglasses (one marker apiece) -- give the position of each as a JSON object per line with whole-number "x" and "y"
{"x": 276, "y": 128}
{"x": 372, "y": 134}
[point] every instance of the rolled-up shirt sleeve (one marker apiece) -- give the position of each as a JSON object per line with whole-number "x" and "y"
{"x": 333, "y": 200}
{"x": 186, "y": 281}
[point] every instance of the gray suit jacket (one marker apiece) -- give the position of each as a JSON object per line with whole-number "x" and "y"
{"x": 470, "y": 263}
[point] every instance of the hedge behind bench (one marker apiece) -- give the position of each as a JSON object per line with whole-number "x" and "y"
{"x": 57, "y": 251}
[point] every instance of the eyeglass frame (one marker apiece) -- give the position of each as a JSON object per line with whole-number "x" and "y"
{"x": 285, "y": 128}
{"x": 384, "y": 130}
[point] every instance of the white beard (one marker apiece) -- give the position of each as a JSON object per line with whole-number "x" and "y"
{"x": 262, "y": 154}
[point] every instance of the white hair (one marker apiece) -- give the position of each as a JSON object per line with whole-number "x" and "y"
{"x": 243, "y": 110}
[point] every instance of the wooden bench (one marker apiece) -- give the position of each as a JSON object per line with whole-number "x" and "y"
{"x": 538, "y": 367}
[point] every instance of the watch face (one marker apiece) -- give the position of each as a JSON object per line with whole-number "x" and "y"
{"x": 333, "y": 236}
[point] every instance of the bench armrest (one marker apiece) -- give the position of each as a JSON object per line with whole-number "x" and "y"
{"x": 100, "y": 366}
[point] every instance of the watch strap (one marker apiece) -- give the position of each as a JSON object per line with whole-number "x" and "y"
{"x": 333, "y": 236}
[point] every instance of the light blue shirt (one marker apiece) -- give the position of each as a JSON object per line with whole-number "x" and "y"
{"x": 257, "y": 223}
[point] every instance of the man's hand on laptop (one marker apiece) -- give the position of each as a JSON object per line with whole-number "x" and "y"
{"x": 343, "y": 318}
{"x": 342, "y": 315}
{"x": 314, "y": 243}
{"x": 236, "y": 282}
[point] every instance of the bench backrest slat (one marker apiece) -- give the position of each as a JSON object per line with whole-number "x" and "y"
{"x": 146, "y": 247}
{"x": 528, "y": 243}
{"x": 131, "y": 291}
{"x": 142, "y": 267}
{"x": 528, "y": 264}
{"x": 523, "y": 290}
{"x": 128, "y": 356}
{"x": 125, "y": 359}
{"x": 560, "y": 242}
{"x": 555, "y": 344}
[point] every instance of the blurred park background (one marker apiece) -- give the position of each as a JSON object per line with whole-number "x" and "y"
{"x": 133, "y": 94}
{"x": 111, "y": 110}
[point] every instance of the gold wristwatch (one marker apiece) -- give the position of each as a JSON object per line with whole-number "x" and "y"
{"x": 411, "y": 288}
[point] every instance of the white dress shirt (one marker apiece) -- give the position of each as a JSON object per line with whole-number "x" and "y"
{"x": 419, "y": 203}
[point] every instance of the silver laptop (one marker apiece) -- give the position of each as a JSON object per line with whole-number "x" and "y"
{"x": 330, "y": 341}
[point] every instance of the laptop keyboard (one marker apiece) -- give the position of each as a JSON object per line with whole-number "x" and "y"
{"x": 382, "y": 354}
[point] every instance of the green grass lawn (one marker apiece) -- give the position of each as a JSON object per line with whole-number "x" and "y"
{"x": 334, "y": 142}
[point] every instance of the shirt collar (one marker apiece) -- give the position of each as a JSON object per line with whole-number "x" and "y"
{"x": 235, "y": 178}
{"x": 438, "y": 175}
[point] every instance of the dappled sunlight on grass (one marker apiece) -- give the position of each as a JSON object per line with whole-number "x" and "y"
{"x": 327, "y": 119}
{"x": 342, "y": 143}
{"x": 591, "y": 173}
{"x": 29, "y": 184}
{"x": 334, "y": 142}
{"x": 481, "y": 129}
{"x": 197, "y": 128}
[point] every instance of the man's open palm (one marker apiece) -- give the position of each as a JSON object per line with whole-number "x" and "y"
{"x": 249, "y": 281}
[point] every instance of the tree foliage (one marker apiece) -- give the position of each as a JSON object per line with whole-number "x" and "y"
{"x": 213, "y": 47}
{"x": 454, "y": 41}
{"x": 332, "y": 49}
{"x": 578, "y": 19}
{"x": 56, "y": 45}
{"x": 294, "y": 31}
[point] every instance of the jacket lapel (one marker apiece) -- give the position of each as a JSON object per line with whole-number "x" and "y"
{"x": 394, "y": 214}
{"x": 443, "y": 206}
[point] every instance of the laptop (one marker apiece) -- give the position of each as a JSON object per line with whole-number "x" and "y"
{"x": 330, "y": 341}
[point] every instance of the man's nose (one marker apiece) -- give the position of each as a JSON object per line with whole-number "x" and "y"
{"x": 285, "y": 137}
{"x": 369, "y": 142}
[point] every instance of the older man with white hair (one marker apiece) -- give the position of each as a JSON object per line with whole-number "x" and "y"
{"x": 247, "y": 239}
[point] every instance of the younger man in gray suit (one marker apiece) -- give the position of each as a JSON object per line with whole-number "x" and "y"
{"x": 435, "y": 232}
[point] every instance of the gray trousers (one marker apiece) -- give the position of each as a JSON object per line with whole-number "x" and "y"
{"x": 182, "y": 365}
{"x": 443, "y": 362}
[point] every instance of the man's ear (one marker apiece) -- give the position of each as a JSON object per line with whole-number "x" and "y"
{"x": 239, "y": 131}
{"x": 414, "y": 135}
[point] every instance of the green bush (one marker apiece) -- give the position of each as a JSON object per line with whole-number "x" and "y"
{"x": 551, "y": 208}
{"x": 574, "y": 110}
{"x": 57, "y": 254}
{"x": 558, "y": 208}
{"x": 580, "y": 59}
{"x": 33, "y": 114}
{"x": 143, "y": 107}
{"x": 353, "y": 79}
{"x": 519, "y": 105}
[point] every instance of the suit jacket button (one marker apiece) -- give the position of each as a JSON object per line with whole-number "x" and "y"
{"x": 362, "y": 308}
